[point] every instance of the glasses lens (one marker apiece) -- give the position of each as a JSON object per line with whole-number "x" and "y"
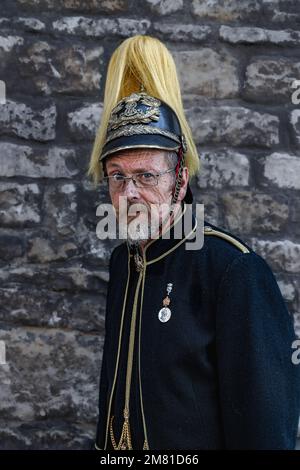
{"x": 141, "y": 180}
{"x": 116, "y": 181}
{"x": 145, "y": 179}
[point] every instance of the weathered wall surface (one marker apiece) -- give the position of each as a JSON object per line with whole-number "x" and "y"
{"x": 237, "y": 60}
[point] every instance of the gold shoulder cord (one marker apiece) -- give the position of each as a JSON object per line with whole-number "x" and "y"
{"x": 125, "y": 442}
{"x": 118, "y": 354}
{"x": 210, "y": 231}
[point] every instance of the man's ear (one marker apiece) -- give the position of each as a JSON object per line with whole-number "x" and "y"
{"x": 184, "y": 183}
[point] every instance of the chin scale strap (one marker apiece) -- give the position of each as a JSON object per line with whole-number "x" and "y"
{"x": 178, "y": 175}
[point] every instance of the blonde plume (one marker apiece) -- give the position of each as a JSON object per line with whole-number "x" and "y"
{"x": 142, "y": 61}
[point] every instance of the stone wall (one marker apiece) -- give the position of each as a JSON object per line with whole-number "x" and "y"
{"x": 237, "y": 61}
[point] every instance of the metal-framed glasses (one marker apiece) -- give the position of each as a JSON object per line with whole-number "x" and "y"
{"x": 141, "y": 180}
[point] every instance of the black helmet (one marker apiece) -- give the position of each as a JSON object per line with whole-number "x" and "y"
{"x": 143, "y": 121}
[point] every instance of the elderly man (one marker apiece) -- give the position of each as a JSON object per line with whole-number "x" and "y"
{"x": 198, "y": 343}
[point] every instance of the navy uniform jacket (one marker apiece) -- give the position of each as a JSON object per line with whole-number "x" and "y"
{"x": 218, "y": 374}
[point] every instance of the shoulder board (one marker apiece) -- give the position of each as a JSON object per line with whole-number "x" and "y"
{"x": 211, "y": 231}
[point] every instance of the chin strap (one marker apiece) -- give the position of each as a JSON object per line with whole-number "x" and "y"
{"x": 178, "y": 171}
{"x": 178, "y": 176}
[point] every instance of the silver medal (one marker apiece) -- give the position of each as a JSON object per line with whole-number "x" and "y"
{"x": 164, "y": 314}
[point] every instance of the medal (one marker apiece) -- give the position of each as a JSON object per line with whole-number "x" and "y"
{"x": 165, "y": 313}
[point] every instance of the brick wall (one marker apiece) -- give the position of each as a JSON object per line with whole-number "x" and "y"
{"x": 237, "y": 61}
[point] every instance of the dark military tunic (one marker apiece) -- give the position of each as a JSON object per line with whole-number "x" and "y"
{"x": 218, "y": 374}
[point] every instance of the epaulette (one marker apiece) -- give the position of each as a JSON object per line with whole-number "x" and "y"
{"x": 211, "y": 231}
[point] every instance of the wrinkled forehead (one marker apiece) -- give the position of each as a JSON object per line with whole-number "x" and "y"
{"x": 138, "y": 159}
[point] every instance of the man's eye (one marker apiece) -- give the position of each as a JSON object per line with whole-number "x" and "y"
{"x": 118, "y": 177}
{"x": 147, "y": 176}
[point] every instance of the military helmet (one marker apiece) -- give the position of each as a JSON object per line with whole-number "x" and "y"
{"x": 143, "y": 121}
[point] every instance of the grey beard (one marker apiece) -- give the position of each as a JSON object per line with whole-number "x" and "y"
{"x": 139, "y": 236}
{"x": 137, "y": 233}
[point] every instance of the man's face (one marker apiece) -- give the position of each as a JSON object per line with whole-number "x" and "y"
{"x": 140, "y": 226}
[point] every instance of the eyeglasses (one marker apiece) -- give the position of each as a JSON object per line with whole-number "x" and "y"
{"x": 141, "y": 180}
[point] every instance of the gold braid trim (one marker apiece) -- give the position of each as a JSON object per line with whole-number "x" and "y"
{"x": 125, "y": 439}
{"x": 130, "y": 130}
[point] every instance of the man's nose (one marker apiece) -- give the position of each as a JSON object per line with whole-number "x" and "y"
{"x": 130, "y": 190}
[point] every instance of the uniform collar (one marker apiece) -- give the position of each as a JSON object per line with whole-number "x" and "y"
{"x": 180, "y": 230}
